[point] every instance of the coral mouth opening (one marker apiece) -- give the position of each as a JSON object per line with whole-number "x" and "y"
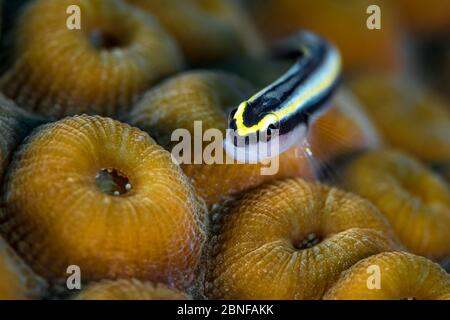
{"x": 113, "y": 182}
{"x": 307, "y": 242}
{"x": 101, "y": 39}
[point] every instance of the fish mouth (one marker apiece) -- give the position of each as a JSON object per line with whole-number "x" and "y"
{"x": 249, "y": 149}
{"x": 258, "y": 150}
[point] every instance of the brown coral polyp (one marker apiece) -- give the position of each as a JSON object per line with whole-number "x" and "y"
{"x": 17, "y": 280}
{"x": 206, "y": 30}
{"x": 414, "y": 199}
{"x": 101, "y": 68}
{"x": 425, "y": 17}
{"x": 408, "y": 116}
{"x": 140, "y": 219}
{"x": 290, "y": 240}
{"x": 131, "y": 289}
{"x": 343, "y": 129}
{"x": 15, "y": 124}
{"x": 401, "y": 276}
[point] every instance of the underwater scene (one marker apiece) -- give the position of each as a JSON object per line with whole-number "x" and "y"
{"x": 225, "y": 150}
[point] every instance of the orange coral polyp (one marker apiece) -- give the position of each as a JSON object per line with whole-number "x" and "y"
{"x": 415, "y": 200}
{"x": 291, "y": 240}
{"x": 131, "y": 289}
{"x": 57, "y": 214}
{"x": 400, "y": 276}
{"x": 15, "y": 124}
{"x": 343, "y": 129}
{"x": 206, "y": 30}
{"x": 17, "y": 280}
{"x": 428, "y": 17}
{"x": 98, "y": 69}
{"x": 407, "y": 116}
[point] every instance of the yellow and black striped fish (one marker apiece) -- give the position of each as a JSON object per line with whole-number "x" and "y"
{"x": 289, "y": 105}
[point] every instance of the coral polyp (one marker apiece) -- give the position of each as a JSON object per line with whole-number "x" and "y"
{"x": 97, "y": 193}
{"x": 425, "y": 18}
{"x": 342, "y": 130}
{"x": 415, "y": 200}
{"x": 17, "y": 280}
{"x": 208, "y": 97}
{"x": 407, "y": 116}
{"x": 291, "y": 240}
{"x": 222, "y": 25}
{"x": 15, "y": 124}
{"x": 131, "y": 289}
{"x": 392, "y": 276}
{"x": 99, "y": 66}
